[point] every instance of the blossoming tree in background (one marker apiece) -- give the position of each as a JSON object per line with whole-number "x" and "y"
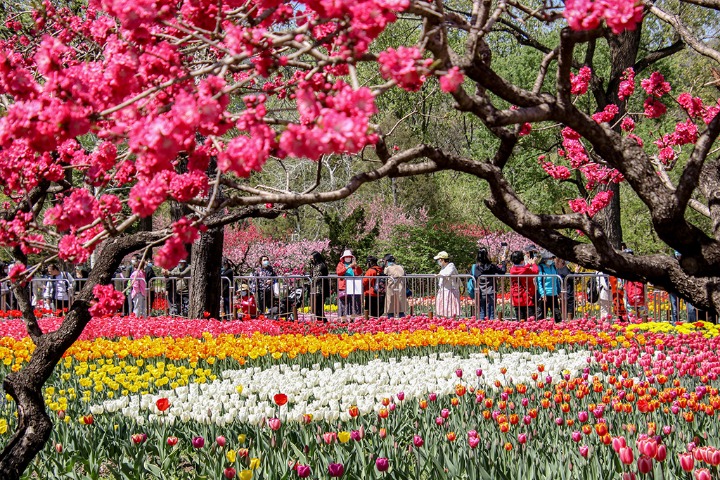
{"x": 114, "y": 110}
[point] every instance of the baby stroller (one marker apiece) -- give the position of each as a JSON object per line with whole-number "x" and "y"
{"x": 290, "y": 299}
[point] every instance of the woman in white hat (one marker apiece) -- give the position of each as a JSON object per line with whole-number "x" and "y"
{"x": 447, "y": 299}
{"x": 349, "y": 288}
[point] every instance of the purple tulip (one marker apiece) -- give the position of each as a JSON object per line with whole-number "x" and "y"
{"x": 382, "y": 464}
{"x": 303, "y": 471}
{"x": 198, "y": 442}
{"x": 336, "y": 469}
{"x": 479, "y": 372}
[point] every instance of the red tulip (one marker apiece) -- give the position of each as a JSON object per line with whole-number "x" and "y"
{"x": 138, "y": 438}
{"x": 162, "y": 404}
{"x": 88, "y": 420}
{"x": 229, "y": 472}
{"x": 172, "y": 441}
{"x": 58, "y": 447}
{"x": 280, "y": 399}
{"x": 354, "y": 411}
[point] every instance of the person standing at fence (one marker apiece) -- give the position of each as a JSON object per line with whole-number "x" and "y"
{"x": 566, "y": 276}
{"x": 58, "y": 289}
{"x": 604, "y": 294}
{"x": 447, "y": 298}
{"x": 263, "y": 283}
{"x": 319, "y": 285}
{"x": 227, "y": 276}
{"x": 81, "y": 276}
{"x": 548, "y": 287}
{"x": 349, "y": 287}
{"x": 634, "y": 294}
{"x": 179, "y": 288}
{"x": 138, "y": 290}
{"x": 6, "y": 295}
{"x": 395, "y": 289}
{"x": 522, "y": 288}
{"x": 374, "y": 288}
{"x": 484, "y": 294}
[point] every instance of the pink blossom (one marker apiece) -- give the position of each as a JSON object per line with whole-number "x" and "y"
{"x": 619, "y": 15}
{"x": 70, "y": 248}
{"x": 692, "y": 105}
{"x": 108, "y": 302}
{"x": 76, "y": 210}
{"x": 654, "y": 108}
{"x": 627, "y": 124}
{"x": 451, "y": 80}
{"x": 607, "y": 114}
{"x": 579, "y": 83}
{"x": 627, "y": 84}
{"x": 405, "y": 66}
{"x": 655, "y": 85}
{"x": 16, "y": 271}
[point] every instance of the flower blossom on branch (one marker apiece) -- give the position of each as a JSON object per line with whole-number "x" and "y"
{"x": 108, "y": 302}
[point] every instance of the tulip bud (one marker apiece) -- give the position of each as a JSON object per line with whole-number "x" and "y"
{"x": 382, "y": 433}
{"x": 479, "y": 372}
{"x": 61, "y": 414}
{"x": 58, "y": 447}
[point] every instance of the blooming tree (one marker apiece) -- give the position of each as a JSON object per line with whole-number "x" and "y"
{"x": 113, "y": 110}
{"x": 245, "y": 246}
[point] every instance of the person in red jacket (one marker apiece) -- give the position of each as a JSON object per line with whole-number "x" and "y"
{"x": 522, "y": 289}
{"x": 374, "y": 288}
{"x": 248, "y": 307}
{"x": 349, "y": 285}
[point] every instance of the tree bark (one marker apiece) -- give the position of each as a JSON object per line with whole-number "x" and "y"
{"x": 25, "y": 386}
{"x": 205, "y": 287}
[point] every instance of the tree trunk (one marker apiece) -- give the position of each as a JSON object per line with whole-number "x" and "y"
{"x": 205, "y": 286}
{"x": 25, "y": 386}
{"x": 623, "y": 55}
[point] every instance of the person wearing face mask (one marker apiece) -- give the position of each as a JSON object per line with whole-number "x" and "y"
{"x": 548, "y": 288}
{"x": 349, "y": 288}
{"x": 262, "y": 284}
{"x": 447, "y": 299}
{"x": 248, "y": 307}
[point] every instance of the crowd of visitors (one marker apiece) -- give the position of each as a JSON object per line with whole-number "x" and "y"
{"x": 541, "y": 285}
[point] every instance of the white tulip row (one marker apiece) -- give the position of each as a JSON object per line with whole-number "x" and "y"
{"x": 328, "y": 393}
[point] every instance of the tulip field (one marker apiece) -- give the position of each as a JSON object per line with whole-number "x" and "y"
{"x": 412, "y": 398}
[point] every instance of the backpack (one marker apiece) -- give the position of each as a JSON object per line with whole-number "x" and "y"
{"x": 635, "y": 293}
{"x": 471, "y": 284}
{"x": 380, "y": 287}
{"x": 593, "y": 289}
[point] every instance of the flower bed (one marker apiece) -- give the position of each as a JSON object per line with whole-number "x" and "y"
{"x": 410, "y": 398}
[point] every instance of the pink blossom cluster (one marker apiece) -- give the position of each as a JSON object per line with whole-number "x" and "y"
{"x": 607, "y": 114}
{"x": 558, "y": 172}
{"x": 452, "y": 80}
{"x": 685, "y": 133}
{"x": 579, "y": 83}
{"x": 174, "y": 250}
{"x": 627, "y": 84}
{"x": 386, "y": 217}
{"x": 405, "y": 66}
{"x": 619, "y": 15}
{"x": 108, "y": 301}
{"x": 696, "y": 109}
{"x": 244, "y": 247}
{"x": 600, "y": 201}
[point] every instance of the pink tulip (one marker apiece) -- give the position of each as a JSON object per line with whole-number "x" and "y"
{"x": 576, "y": 436}
{"x": 524, "y": 402}
{"x": 401, "y": 396}
{"x": 336, "y": 469}
{"x": 522, "y": 438}
{"x": 432, "y": 397}
{"x": 583, "y": 416}
{"x": 527, "y": 419}
{"x": 274, "y": 423}
{"x": 418, "y": 441}
{"x": 644, "y": 464}
{"x": 229, "y": 473}
{"x": 221, "y": 441}
{"x": 473, "y": 442}
{"x": 329, "y": 437}
{"x": 479, "y": 372}
{"x": 649, "y": 448}
{"x": 382, "y": 464}
{"x": 303, "y": 471}
{"x": 459, "y": 372}
{"x": 626, "y": 455}
{"x": 628, "y": 476}
{"x": 198, "y": 442}
{"x": 687, "y": 462}
{"x": 661, "y": 453}
{"x": 445, "y": 413}
{"x": 356, "y": 435}
{"x": 439, "y": 421}
{"x": 618, "y": 443}
{"x": 702, "y": 474}
{"x": 584, "y": 451}
{"x": 559, "y": 422}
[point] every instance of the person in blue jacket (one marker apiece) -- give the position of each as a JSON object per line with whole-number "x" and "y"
{"x": 548, "y": 288}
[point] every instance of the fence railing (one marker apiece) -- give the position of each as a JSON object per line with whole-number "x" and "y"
{"x": 302, "y": 297}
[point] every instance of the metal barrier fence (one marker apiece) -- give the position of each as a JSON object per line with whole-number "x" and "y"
{"x": 302, "y": 297}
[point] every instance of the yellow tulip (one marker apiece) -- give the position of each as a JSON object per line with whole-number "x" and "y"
{"x": 241, "y": 438}
{"x": 343, "y": 437}
{"x": 254, "y": 463}
{"x": 245, "y": 475}
{"x": 3, "y": 426}
{"x": 231, "y": 456}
